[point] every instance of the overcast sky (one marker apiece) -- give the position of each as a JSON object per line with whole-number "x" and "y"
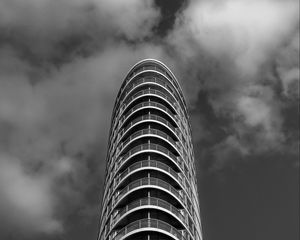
{"x": 61, "y": 65}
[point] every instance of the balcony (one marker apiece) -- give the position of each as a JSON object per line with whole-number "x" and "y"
{"x": 145, "y": 133}
{"x": 148, "y": 147}
{"x": 152, "y": 164}
{"x": 152, "y": 182}
{"x": 155, "y": 118}
{"x": 161, "y": 71}
{"x": 147, "y": 92}
{"x": 148, "y": 104}
{"x": 153, "y": 133}
{"x": 148, "y": 225}
{"x": 145, "y": 81}
{"x": 150, "y": 169}
{"x": 149, "y": 202}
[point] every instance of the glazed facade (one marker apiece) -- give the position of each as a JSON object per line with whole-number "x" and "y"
{"x": 150, "y": 188}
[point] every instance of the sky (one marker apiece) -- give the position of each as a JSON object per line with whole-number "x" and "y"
{"x": 61, "y": 65}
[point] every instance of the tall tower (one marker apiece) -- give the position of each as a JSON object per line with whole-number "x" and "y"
{"x": 150, "y": 186}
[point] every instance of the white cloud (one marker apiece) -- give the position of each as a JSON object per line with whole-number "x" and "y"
{"x": 51, "y": 128}
{"x": 55, "y": 105}
{"x": 247, "y": 31}
{"x": 264, "y": 115}
{"x": 53, "y": 117}
{"x": 50, "y": 19}
{"x": 134, "y": 18}
{"x": 26, "y": 201}
{"x": 231, "y": 47}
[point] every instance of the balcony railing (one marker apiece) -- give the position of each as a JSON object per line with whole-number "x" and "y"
{"x": 144, "y": 80}
{"x": 144, "y": 132}
{"x": 157, "y": 118}
{"x": 150, "y": 146}
{"x": 180, "y": 194}
{"x": 156, "y": 68}
{"x": 142, "y": 105}
{"x": 149, "y": 163}
{"x": 120, "y": 107}
{"x": 149, "y": 104}
{"x": 150, "y": 201}
{"x": 179, "y": 162}
{"x": 149, "y": 181}
{"x": 151, "y": 117}
{"x": 174, "y": 116}
{"x": 149, "y": 223}
{"x": 136, "y": 71}
{"x": 153, "y": 92}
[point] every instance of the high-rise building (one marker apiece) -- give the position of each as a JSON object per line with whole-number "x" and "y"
{"x": 150, "y": 187}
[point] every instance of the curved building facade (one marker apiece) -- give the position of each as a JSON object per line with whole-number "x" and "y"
{"x": 150, "y": 188}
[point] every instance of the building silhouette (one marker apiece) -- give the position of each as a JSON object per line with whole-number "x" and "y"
{"x": 150, "y": 186}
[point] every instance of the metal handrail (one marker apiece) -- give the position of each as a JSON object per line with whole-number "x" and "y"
{"x": 150, "y": 201}
{"x": 155, "y": 117}
{"x": 151, "y": 103}
{"x": 149, "y": 223}
{"x": 129, "y": 85}
{"x": 151, "y": 117}
{"x": 156, "y": 147}
{"x": 149, "y": 163}
{"x": 152, "y": 146}
{"x": 137, "y": 107}
{"x": 141, "y": 105}
{"x": 150, "y": 91}
{"x": 150, "y": 181}
{"x": 149, "y": 146}
{"x": 126, "y": 94}
{"x": 154, "y": 163}
{"x": 144, "y": 132}
{"x": 123, "y": 106}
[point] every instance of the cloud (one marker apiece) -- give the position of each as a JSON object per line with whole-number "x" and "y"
{"x": 243, "y": 55}
{"x": 61, "y": 64}
{"x": 57, "y": 129}
{"x": 132, "y": 18}
{"x": 64, "y": 29}
{"x": 245, "y": 31}
{"x": 25, "y": 200}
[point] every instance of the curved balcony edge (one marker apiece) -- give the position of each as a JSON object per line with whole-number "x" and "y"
{"x": 149, "y": 225}
{"x": 151, "y": 203}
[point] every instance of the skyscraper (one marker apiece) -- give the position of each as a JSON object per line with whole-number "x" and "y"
{"x": 150, "y": 186}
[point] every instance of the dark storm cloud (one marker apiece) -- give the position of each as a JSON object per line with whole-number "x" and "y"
{"x": 62, "y": 63}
